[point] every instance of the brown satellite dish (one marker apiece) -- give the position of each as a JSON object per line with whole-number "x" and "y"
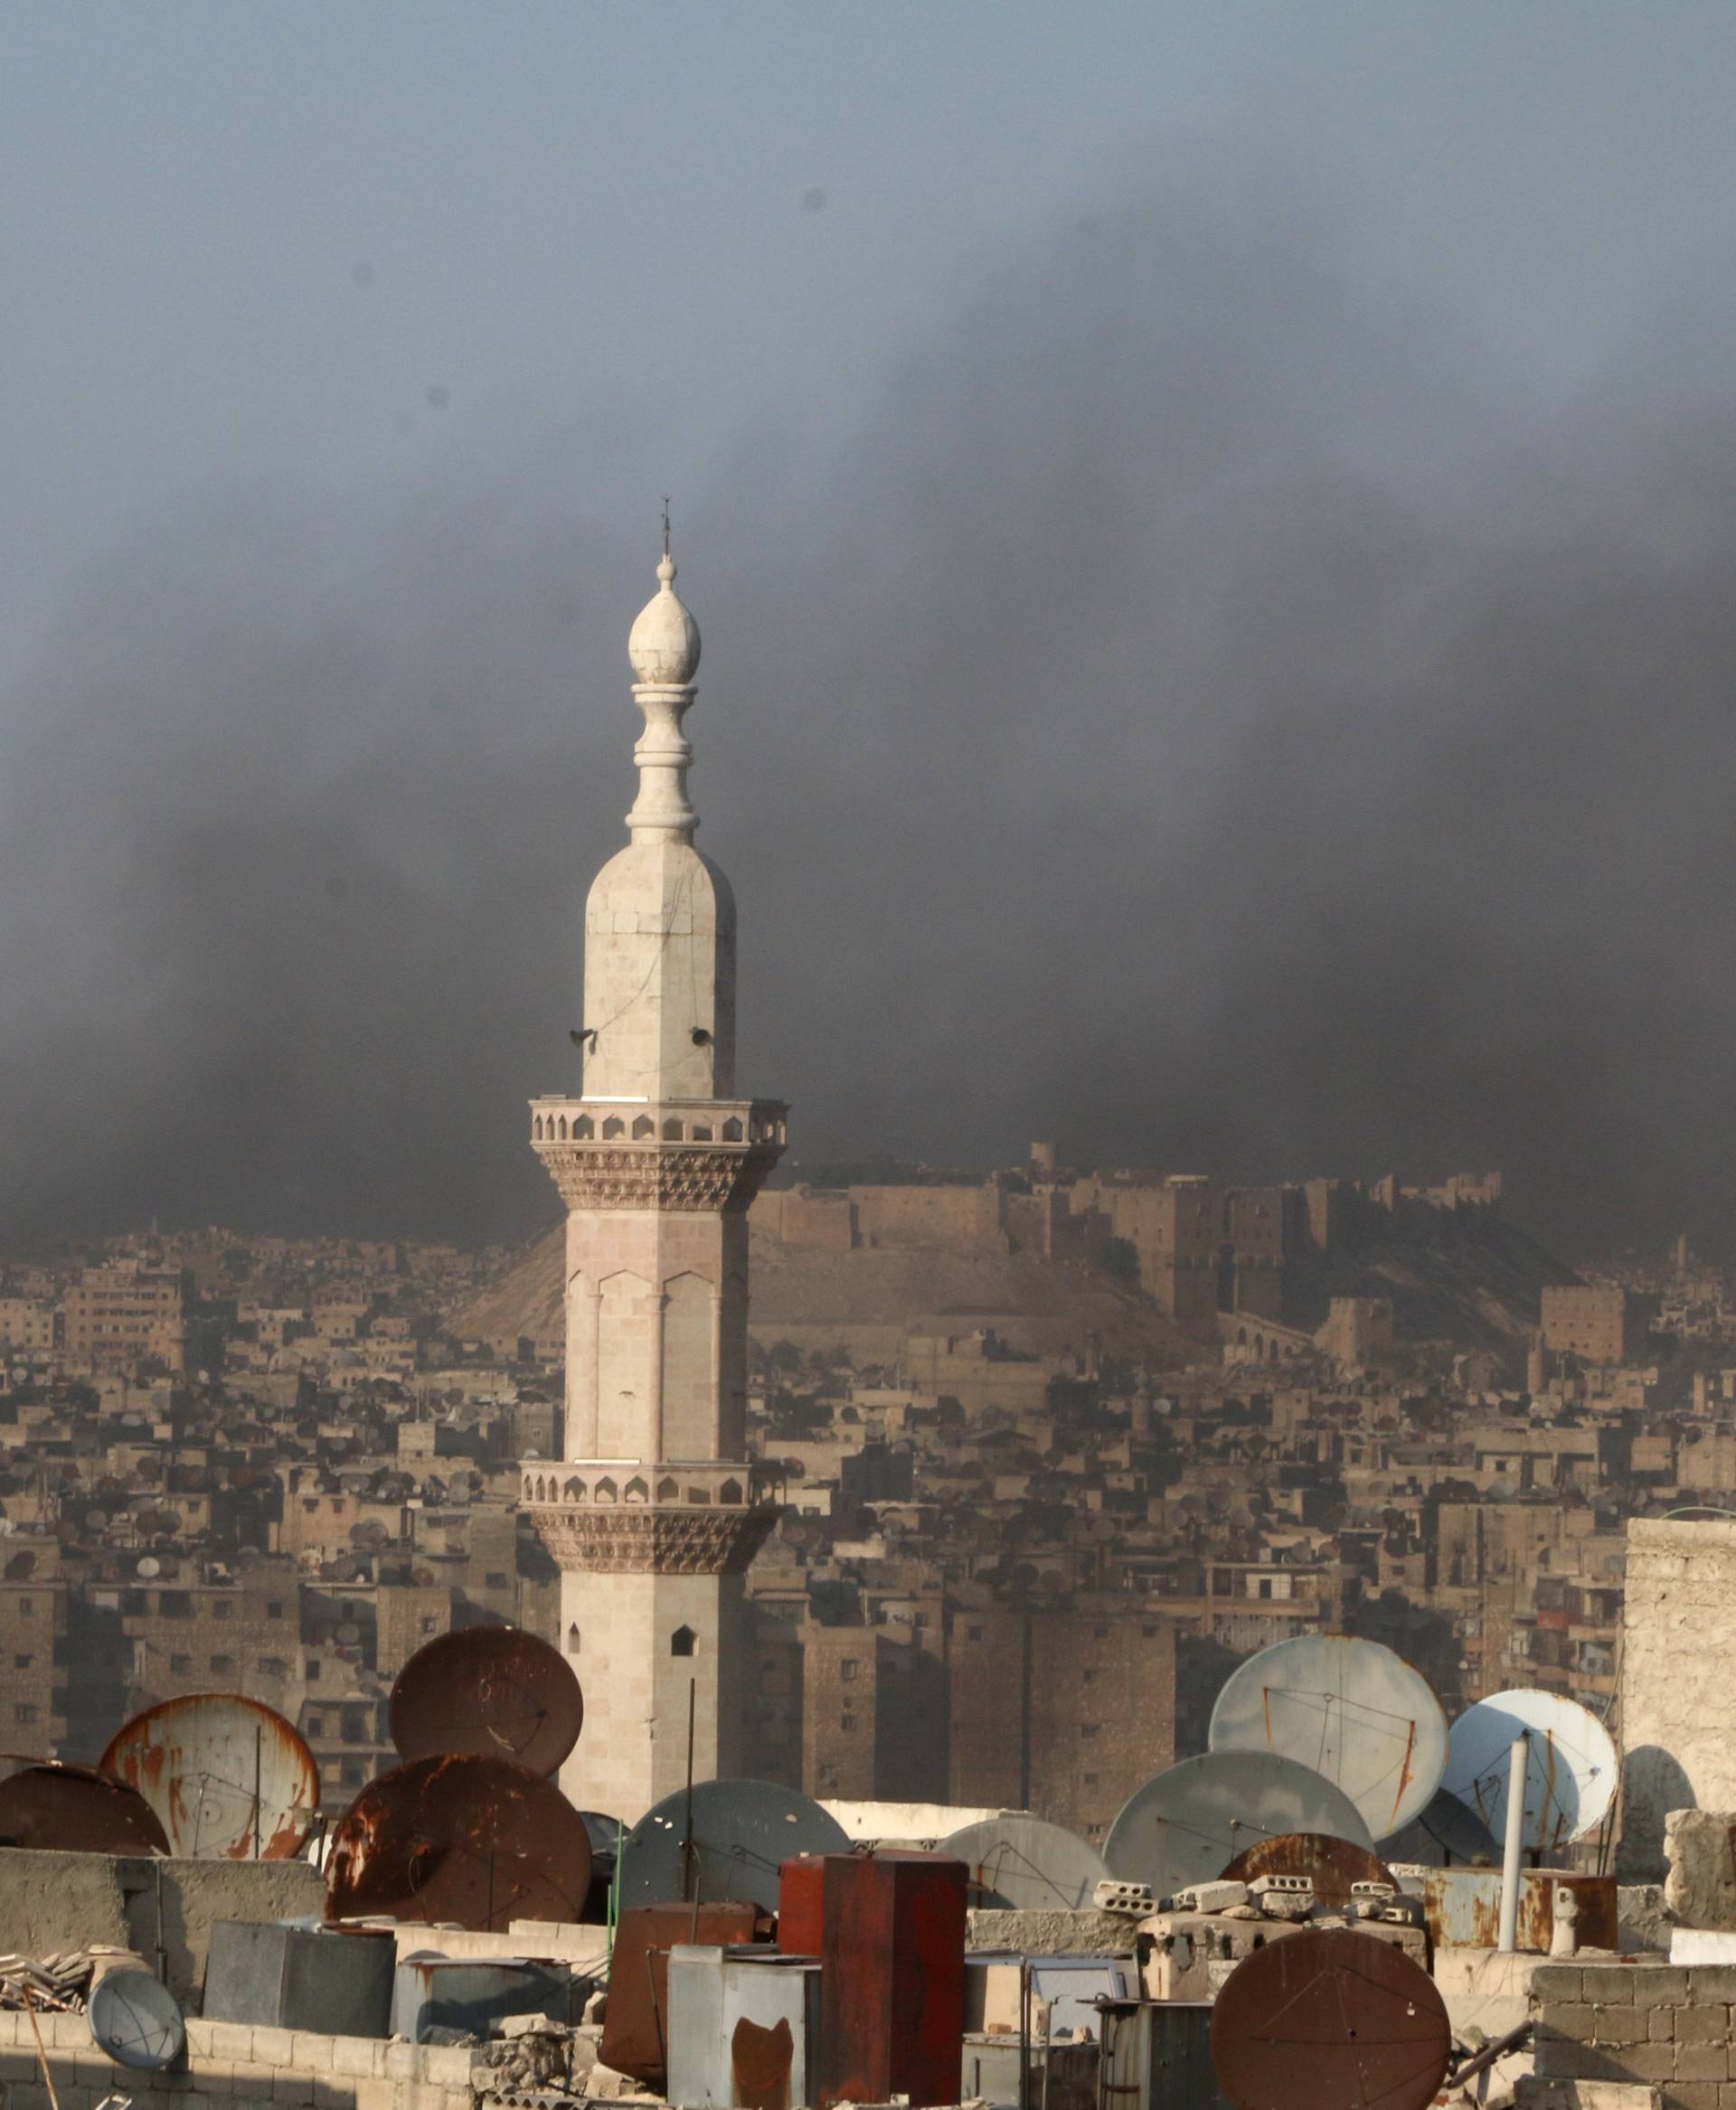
{"x": 227, "y": 1777}
{"x": 1330, "y": 1865}
{"x": 74, "y": 1809}
{"x": 492, "y": 1692}
{"x": 474, "y": 1841}
{"x": 1330, "y": 2016}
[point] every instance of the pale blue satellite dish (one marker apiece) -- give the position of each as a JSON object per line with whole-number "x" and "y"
{"x": 1351, "y": 1709}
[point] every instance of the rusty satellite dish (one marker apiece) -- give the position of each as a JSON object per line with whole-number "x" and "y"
{"x": 228, "y": 1777}
{"x": 74, "y": 1809}
{"x": 476, "y": 1841}
{"x": 1353, "y": 1709}
{"x": 1329, "y": 2015}
{"x": 1186, "y": 1824}
{"x": 1330, "y": 1865}
{"x": 726, "y": 1839}
{"x": 492, "y": 1691}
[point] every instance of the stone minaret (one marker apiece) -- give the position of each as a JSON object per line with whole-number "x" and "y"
{"x": 653, "y": 1512}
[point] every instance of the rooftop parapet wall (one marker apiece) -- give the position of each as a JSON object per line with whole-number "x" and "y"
{"x": 243, "y": 2065}
{"x": 1677, "y": 1705}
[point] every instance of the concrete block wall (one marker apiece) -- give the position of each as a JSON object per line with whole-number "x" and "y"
{"x": 242, "y": 2064}
{"x": 1644, "y": 2024}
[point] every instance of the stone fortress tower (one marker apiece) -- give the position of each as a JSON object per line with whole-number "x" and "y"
{"x": 653, "y": 1512}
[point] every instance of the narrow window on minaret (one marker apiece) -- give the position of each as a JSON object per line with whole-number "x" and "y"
{"x": 683, "y": 1640}
{"x": 572, "y": 1641}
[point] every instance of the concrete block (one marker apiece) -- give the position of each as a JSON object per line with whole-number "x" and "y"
{"x": 358, "y": 2057}
{"x": 1703, "y": 2022}
{"x": 1556, "y": 1982}
{"x": 376, "y": 2094}
{"x": 1573, "y": 2019}
{"x": 1648, "y": 2062}
{"x": 1701, "y": 2062}
{"x": 1563, "y": 2059}
{"x": 1654, "y": 1983}
{"x": 1660, "y": 2024}
{"x": 291, "y": 2086}
{"x": 1694, "y": 2096}
{"x": 215, "y": 2077}
{"x": 232, "y": 2040}
{"x": 445, "y": 2065}
{"x": 273, "y": 2047}
{"x": 1611, "y": 1983}
{"x": 402, "y": 2061}
{"x": 1712, "y": 1984}
{"x": 1620, "y": 2025}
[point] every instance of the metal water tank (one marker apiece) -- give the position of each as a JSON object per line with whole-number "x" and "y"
{"x": 744, "y": 2028}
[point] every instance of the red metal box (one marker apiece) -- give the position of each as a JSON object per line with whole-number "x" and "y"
{"x": 893, "y": 1992}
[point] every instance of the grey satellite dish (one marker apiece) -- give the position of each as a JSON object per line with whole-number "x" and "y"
{"x": 741, "y": 1832}
{"x": 1352, "y": 1710}
{"x": 137, "y": 2021}
{"x": 1187, "y": 1825}
{"x": 1571, "y": 1767}
{"x": 1446, "y": 1834}
{"x": 1024, "y": 1864}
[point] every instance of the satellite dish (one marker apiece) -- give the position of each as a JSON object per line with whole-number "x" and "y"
{"x": 1570, "y": 1770}
{"x": 348, "y": 1633}
{"x": 1186, "y": 1824}
{"x": 137, "y": 2021}
{"x": 1024, "y": 1864}
{"x": 74, "y": 1809}
{"x": 228, "y": 1777}
{"x": 1445, "y": 1833}
{"x": 1352, "y": 1710}
{"x": 1329, "y": 1865}
{"x": 477, "y": 1842}
{"x": 494, "y": 1692}
{"x": 150, "y": 1567}
{"x": 743, "y": 1832}
{"x": 1328, "y": 2015}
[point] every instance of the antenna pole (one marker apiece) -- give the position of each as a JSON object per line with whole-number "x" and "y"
{"x": 687, "y": 1818}
{"x": 1518, "y": 1757}
{"x": 259, "y": 1731}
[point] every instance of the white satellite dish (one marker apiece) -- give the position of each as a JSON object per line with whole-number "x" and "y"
{"x": 137, "y": 2021}
{"x": 1187, "y": 1824}
{"x": 150, "y": 1566}
{"x": 1351, "y": 1709}
{"x": 1571, "y": 1765}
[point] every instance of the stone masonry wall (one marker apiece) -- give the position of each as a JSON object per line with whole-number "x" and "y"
{"x": 1679, "y": 1716}
{"x": 1640, "y": 2024}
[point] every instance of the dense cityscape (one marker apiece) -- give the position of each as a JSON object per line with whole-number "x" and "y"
{"x": 279, "y": 1466}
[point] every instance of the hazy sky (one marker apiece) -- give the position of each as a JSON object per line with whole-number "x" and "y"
{"x": 1213, "y": 528}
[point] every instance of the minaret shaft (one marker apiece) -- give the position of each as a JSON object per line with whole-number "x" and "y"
{"x": 653, "y": 1512}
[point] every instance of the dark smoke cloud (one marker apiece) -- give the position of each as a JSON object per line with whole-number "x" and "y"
{"x": 1208, "y": 714}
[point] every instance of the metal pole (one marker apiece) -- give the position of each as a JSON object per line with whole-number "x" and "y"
{"x": 1518, "y": 1758}
{"x": 258, "y": 1732}
{"x": 688, "y": 1821}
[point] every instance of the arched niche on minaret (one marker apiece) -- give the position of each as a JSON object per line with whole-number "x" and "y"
{"x": 689, "y": 1368}
{"x": 626, "y": 1319}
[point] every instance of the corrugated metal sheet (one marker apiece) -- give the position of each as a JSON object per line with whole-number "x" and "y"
{"x": 1462, "y": 1907}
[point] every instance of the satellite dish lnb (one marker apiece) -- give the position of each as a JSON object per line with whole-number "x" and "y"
{"x": 137, "y": 2021}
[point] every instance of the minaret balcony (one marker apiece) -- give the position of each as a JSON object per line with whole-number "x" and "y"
{"x": 658, "y": 1154}
{"x": 620, "y": 1516}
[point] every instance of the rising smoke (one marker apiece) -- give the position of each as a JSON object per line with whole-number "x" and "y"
{"x": 1203, "y": 715}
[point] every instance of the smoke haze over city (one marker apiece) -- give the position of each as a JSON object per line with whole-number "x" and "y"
{"x": 1233, "y": 672}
